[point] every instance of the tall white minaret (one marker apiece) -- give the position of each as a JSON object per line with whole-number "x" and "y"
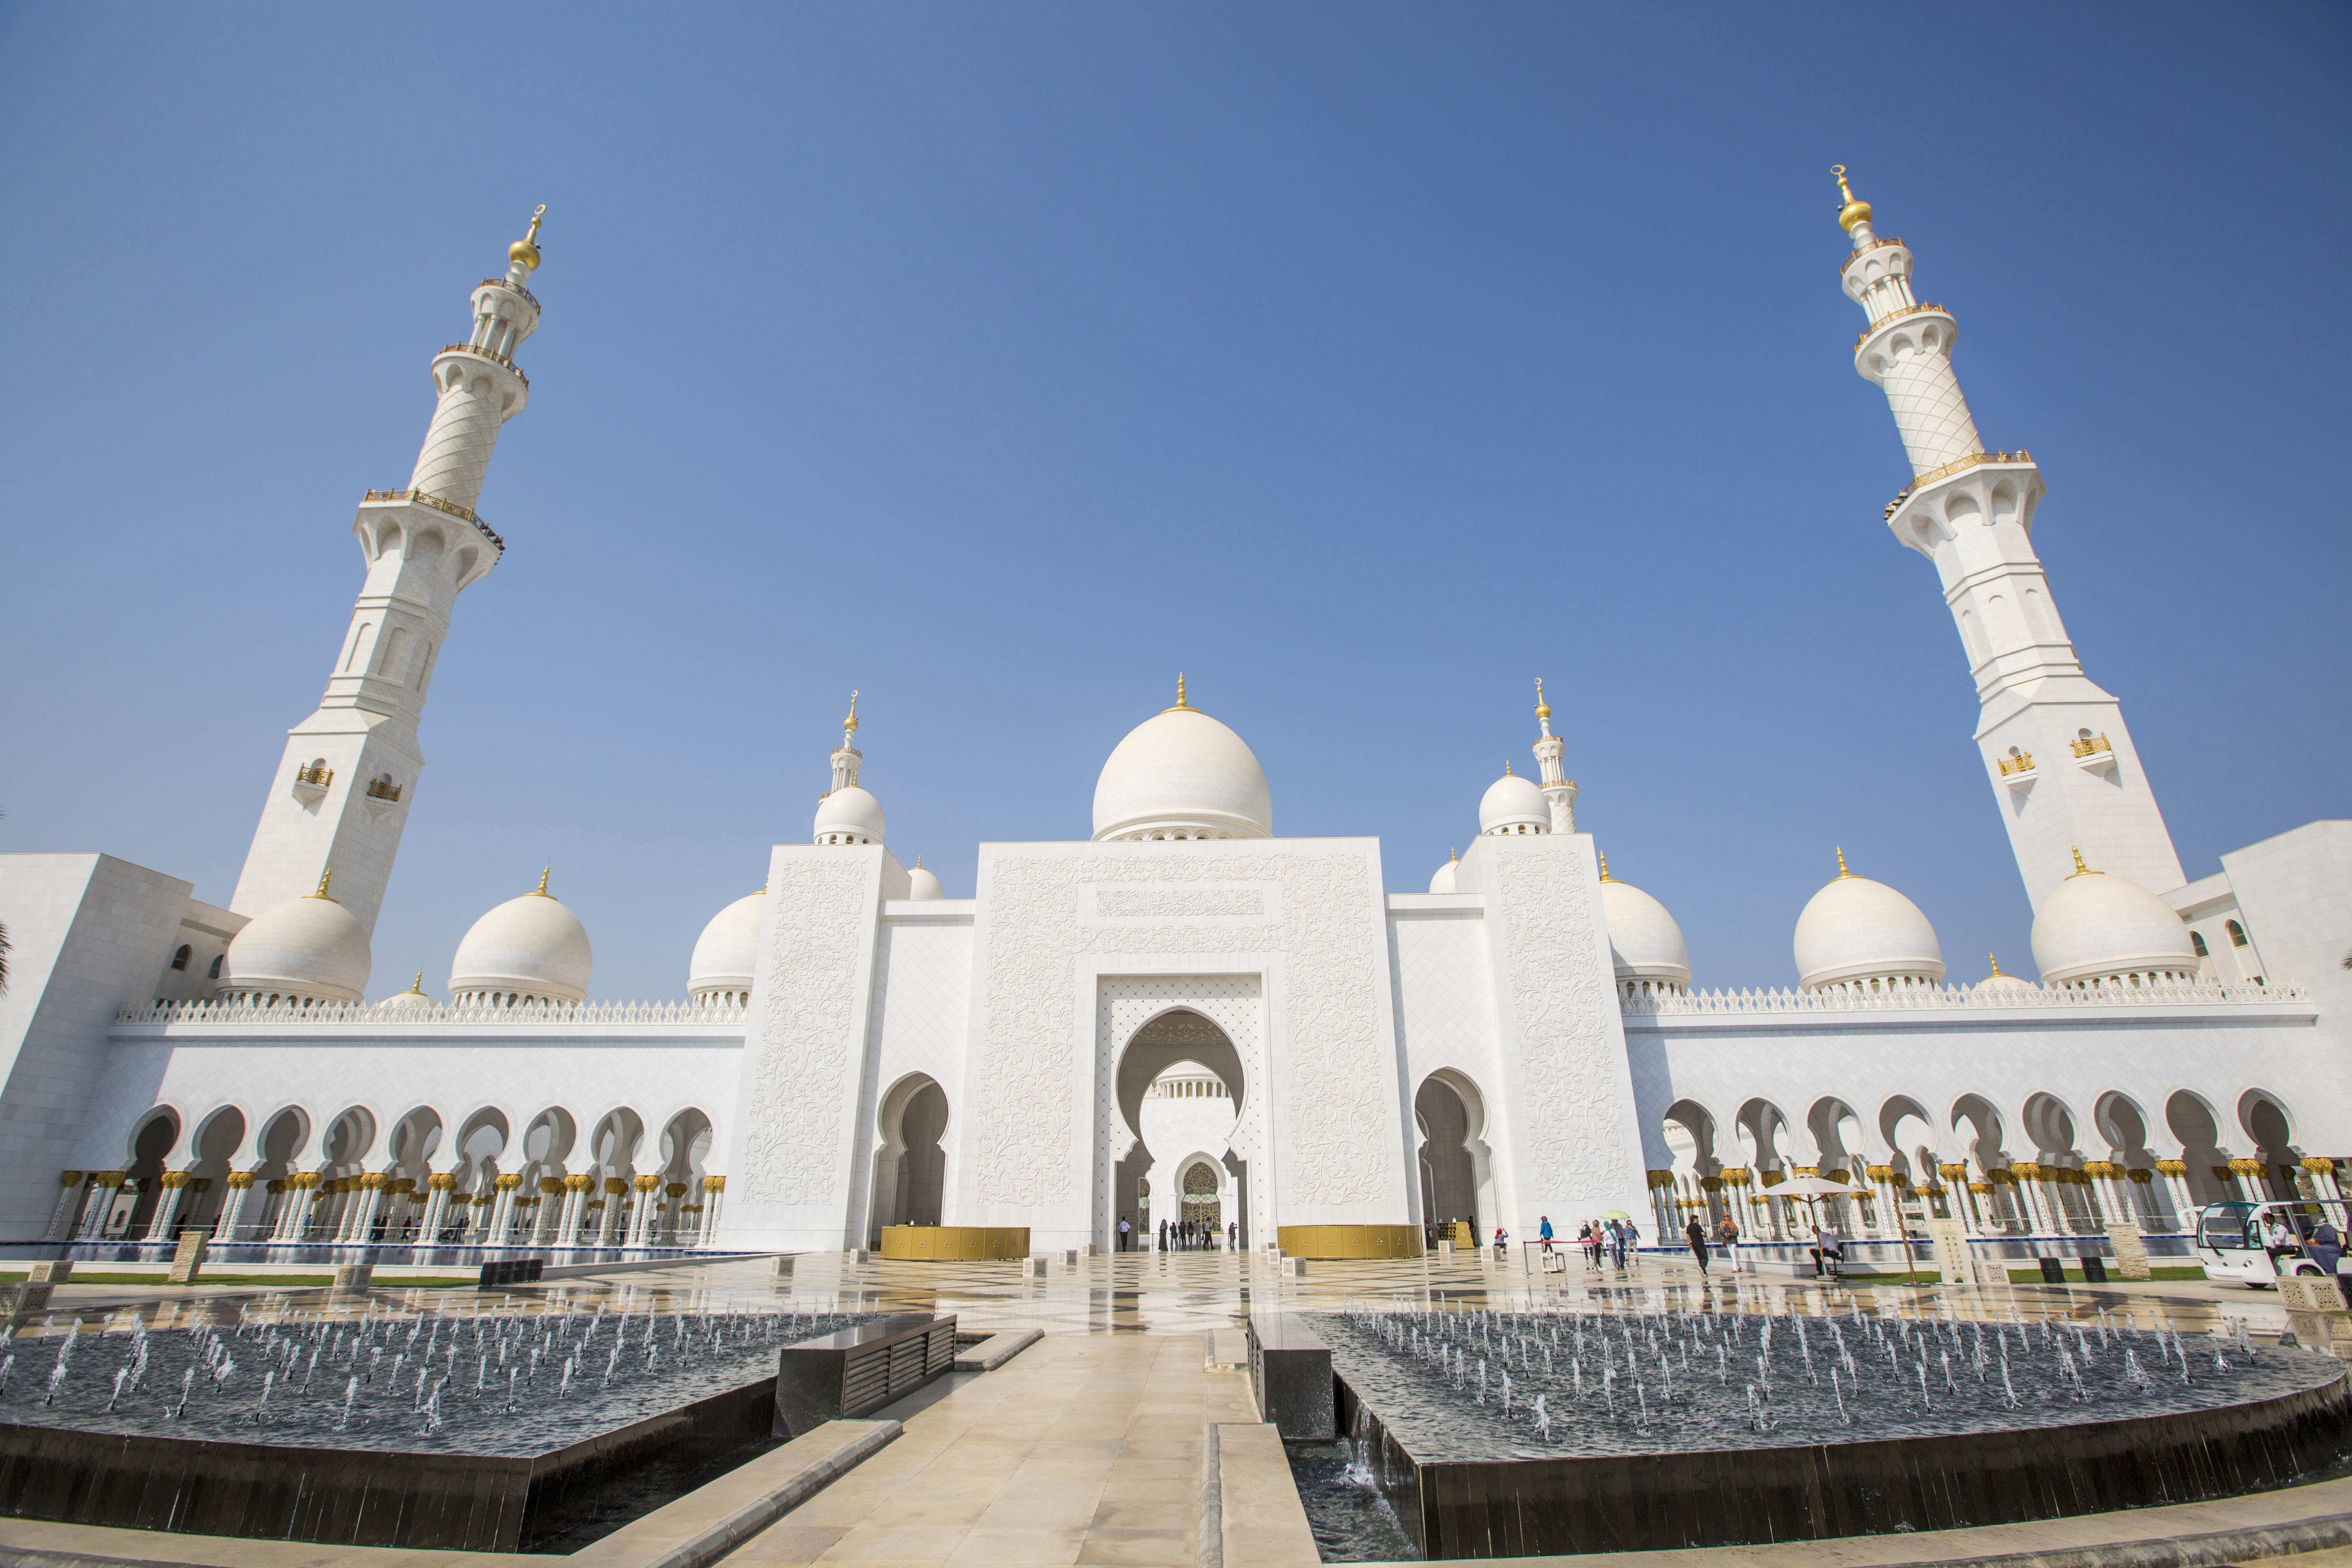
{"x": 344, "y": 788}
{"x": 2056, "y": 753}
{"x": 1558, "y": 790}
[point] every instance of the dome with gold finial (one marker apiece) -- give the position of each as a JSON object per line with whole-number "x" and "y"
{"x": 2099, "y": 929}
{"x": 309, "y": 948}
{"x": 922, "y": 884}
{"x": 1998, "y": 982}
{"x": 1854, "y": 210}
{"x": 1180, "y": 774}
{"x": 1513, "y": 804}
{"x": 1645, "y": 944}
{"x": 529, "y": 949}
{"x": 1443, "y": 882}
{"x": 727, "y": 951}
{"x": 1857, "y": 934}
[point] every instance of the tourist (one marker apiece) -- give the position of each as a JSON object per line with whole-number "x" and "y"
{"x": 2325, "y": 1246}
{"x": 1826, "y": 1250}
{"x": 1123, "y": 1228}
{"x": 1726, "y": 1237}
{"x": 1697, "y": 1234}
{"x": 1589, "y": 1239}
{"x": 1502, "y": 1243}
{"x": 1543, "y": 1235}
{"x": 2278, "y": 1241}
{"x": 1232, "y": 1235}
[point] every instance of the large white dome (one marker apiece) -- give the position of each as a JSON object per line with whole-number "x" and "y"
{"x": 922, "y": 884}
{"x": 530, "y": 948}
{"x": 1181, "y": 774}
{"x": 728, "y": 949}
{"x": 1514, "y": 804}
{"x": 310, "y": 948}
{"x": 2094, "y": 927}
{"x": 849, "y": 816}
{"x": 1857, "y": 931}
{"x": 1645, "y": 943}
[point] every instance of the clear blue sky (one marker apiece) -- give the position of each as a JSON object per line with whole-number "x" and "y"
{"x": 1364, "y": 361}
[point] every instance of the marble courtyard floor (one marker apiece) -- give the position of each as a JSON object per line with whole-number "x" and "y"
{"x": 1088, "y": 1446}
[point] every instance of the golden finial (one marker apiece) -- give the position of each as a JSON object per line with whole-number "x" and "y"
{"x": 2081, "y": 869}
{"x": 849, "y": 725}
{"x": 324, "y": 876}
{"x": 1604, "y": 869}
{"x": 1993, "y": 958}
{"x": 918, "y": 862}
{"x": 1854, "y": 210}
{"x": 1451, "y": 856}
{"x": 1181, "y": 706}
{"x": 525, "y": 250}
{"x": 1543, "y": 709}
{"x": 1506, "y": 769}
{"x": 1842, "y": 872}
{"x": 542, "y": 889}
{"x": 416, "y": 987}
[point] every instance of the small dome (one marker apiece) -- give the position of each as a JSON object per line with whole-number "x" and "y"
{"x": 1856, "y": 931}
{"x": 1181, "y": 774}
{"x": 728, "y": 949}
{"x": 530, "y": 948}
{"x": 1444, "y": 881}
{"x": 1997, "y": 981}
{"x": 922, "y": 884}
{"x": 2094, "y": 927}
{"x": 849, "y": 816}
{"x": 411, "y": 1000}
{"x": 1514, "y": 804}
{"x": 1645, "y": 943}
{"x": 310, "y": 948}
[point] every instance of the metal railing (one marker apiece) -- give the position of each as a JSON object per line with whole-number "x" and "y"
{"x": 484, "y": 353}
{"x": 1865, "y": 250}
{"x": 2091, "y": 748}
{"x": 426, "y": 498}
{"x": 2021, "y": 764}
{"x": 1871, "y": 331}
{"x": 1948, "y": 469}
{"x": 379, "y": 789}
{"x": 317, "y": 777}
{"x": 511, "y": 286}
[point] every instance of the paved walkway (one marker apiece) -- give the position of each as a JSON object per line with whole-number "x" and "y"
{"x": 1080, "y": 1449}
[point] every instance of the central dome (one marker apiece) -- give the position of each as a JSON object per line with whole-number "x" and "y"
{"x": 1182, "y": 775}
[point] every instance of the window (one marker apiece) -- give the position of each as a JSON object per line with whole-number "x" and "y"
{"x": 2197, "y": 940}
{"x": 180, "y": 959}
{"x": 2237, "y": 935}
{"x": 214, "y": 973}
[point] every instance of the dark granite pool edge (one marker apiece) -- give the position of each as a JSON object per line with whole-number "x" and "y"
{"x": 1751, "y": 1496}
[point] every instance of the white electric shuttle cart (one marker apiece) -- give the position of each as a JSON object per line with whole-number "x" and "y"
{"x": 2230, "y": 1238}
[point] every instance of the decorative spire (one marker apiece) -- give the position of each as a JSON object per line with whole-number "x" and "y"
{"x": 1543, "y": 709}
{"x": 1605, "y": 869}
{"x": 918, "y": 862}
{"x": 1842, "y": 872}
{"x": 541, "y": 891}
{"x": 1181, "y": 706}
{"x": 2081, "y": 869}
{"x": 324, "y": 878}
{"x": 417, "y": 986}
{"x": 1506, "y": 767}
{"x": 849, "y": 725}
{"x": 1852, "y": 210}
{"x": 1452, "y": 856}
{"x": 1993, "y": 958}
{"x": 523, "y": 253}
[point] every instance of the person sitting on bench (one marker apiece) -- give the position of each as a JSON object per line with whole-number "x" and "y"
{"x": 1827, "y": 1253}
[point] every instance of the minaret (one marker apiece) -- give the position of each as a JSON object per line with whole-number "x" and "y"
{"x": 344, "y": 788}
{"x": 2056, "y": 753}
{"x": 846, "y": 760}
{"x": 1558, "y": 790}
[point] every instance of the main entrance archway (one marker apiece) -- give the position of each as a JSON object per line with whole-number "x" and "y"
{"x": 1145, "y": 1026}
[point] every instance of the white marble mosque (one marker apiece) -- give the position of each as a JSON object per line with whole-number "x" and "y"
{"x": 1177, "y": 1010}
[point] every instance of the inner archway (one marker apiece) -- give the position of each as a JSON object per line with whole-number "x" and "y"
{"x": 910, "y": 1167}
{"x": 1181, "y": 1046}
{"x": 1456, "y": 1176}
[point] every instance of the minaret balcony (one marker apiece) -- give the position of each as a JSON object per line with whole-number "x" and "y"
{"x": 2093, "y": 755}
{"x": 1892, "y": 316}
{"x": 511, "y": 286}
{"x": 2016, "y": 770}
{"x": 427, "y": 498}
{"x": 1983, "y": 487}
{"x": 499, "y": 360}
{"x": 309, "y": 786}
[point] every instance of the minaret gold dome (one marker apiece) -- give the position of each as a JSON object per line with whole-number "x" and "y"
{"x": 524, "y": 252}
{"x": 1855, "y": 210}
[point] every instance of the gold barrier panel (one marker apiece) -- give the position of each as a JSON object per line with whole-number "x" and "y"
{"x": 953, "y": 1243}
{"x": 1350, "y": 1240}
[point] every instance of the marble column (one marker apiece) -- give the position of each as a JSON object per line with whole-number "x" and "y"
{"x": 609, "y": 1233}
{"x": 502, "y": 1210}
{"x": 235, "y": 1200}
{"x": 649, "y": 1202}
{"x": 103, "y": 1188}
{"x": 69, "y": 1187}
{"x": 438, "y": 1186}
{"x": 714, "y": 1190}
{"x": 174, "y": 1185}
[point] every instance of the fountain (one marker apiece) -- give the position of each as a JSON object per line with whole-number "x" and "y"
{"x": 487, "y": 1430}
{"x": 1646, "y": 1430}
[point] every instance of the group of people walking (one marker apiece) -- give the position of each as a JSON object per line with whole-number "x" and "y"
{"x": 1194, "y": 1235}
{"x": 1618, "y": 1240}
